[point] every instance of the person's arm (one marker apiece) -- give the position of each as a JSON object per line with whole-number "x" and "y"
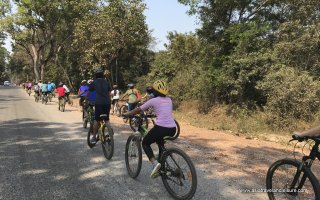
{"x": 311, "y": 132}
{"x": 132, "y": 112}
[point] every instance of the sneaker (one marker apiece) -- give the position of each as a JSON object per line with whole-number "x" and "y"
{"x": 155, "y": 171}
{"x": 93, "y": 139}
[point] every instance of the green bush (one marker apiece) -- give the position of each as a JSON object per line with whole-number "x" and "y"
{"x": 292, "y": 95}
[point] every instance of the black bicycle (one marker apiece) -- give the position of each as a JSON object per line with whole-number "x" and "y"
{"x": 293, "y": 179}
{"x": 177, "y": 171}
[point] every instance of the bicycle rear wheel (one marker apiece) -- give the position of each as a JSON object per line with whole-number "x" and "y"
{"x": 85, "y": 119}
{"x": 123, "y": 109}
{"x": 286, "y": 179}
{"x": 178, "y": 174}
{"x": 133, "y": 156}
{"x": 108, "y": 142}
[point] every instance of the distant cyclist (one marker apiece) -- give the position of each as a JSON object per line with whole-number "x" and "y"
{"x": 164, "y": 125}
{"x": 82, "y": 92}
{"x": 115, "y": 95}
{"x": 67, "y": 93}
{"x": 91, "y": 95}
{"x": 44, "y": 89}
{"x": 133, "y": 96}
{"x": 61, "y": 91}
{"x": 102, "y": 104}
{"x": 50, "y": 88}
{"x": 40, "y": 87}
{"x": 36, "y": 89}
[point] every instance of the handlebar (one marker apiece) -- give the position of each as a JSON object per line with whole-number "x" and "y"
{"x": 304, "y": 138}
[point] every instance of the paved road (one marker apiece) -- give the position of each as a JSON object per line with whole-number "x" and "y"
{"x": 44, "y": 155}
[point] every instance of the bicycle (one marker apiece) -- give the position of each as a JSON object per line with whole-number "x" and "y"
{"x": 88, "y": 115}
{"x": 44, "y": 98}
{"x": 29, "y": 92}
{"x": 172, "y": 172}
{"x": 124, "y": 109}
{"x": 62, "y": 104}
{"x": 289, "y": 178}
{"x": 50, "y": 96}
{"x": 36, "y": 97}
{"x": 104, "y": 135}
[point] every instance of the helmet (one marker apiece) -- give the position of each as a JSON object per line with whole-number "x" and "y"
{"x": 130, "y": 85}
{"x": 149, "y": 89}
{"x": 115, "y": 86}
{"x": 161, "y": 87}
{"x": 98, "y": 70}
{"x": 90, "y": 81}
{"x": 49, "y": 82}
{"x": 61, "y": 83}
{"x": 40, "y": 81}
{"x": 83, "y": 81}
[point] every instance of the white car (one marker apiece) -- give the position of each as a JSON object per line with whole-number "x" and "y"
{"x": 6, "y": 83}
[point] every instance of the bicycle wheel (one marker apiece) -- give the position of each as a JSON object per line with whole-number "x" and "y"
{"x": 286, "y": 179}
{"x": 89, "y": 136}
{"x": 85, "y": 119}
{"x": 176, "y": 135}
{"x": 133, "y": 122}
{"x": 133, "y": 156}
{"x": 63, "y": 105}
{"x": 178, "y": 174}
{"x": 123, "y": 109}
{"x": 108, "y": 142}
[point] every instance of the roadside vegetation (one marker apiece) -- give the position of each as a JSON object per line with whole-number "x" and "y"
{"x": 251, "y": 68}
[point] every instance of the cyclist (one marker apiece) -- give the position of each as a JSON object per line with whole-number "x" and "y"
{"x": 115, "y": 95}
{"x": 91, "y": 96}
{"x": 40, "y": 87}
{"x": 61, "y": 91}
{"x": 149, "y": 94}
{"x": 313, "y": 132}
{"x": 44, "y": 89}
{"x": 164, "y": 125}
{"x": 133, "y": 95}
{"x": 82, "y": 92}
{"x": 102, "y": 103}
{"x": 50, "y": 88}
{"x": 36, "y": 88}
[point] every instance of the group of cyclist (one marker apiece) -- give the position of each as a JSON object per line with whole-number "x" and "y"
{"x": 98, "y": 93}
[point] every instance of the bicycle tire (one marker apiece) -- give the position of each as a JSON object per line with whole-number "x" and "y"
{"x": 133, "y": 142}
{"x": 90, "y": 133}
{"x": 108, "y": 142}
{"x": 123, "y": 109}
{"x": 305, "y": 172}
{"x": 168, "y": 173}
{"x": 134, "y": 126}
{"x": 85, "y": 120}
{"x": 63, "y": 105}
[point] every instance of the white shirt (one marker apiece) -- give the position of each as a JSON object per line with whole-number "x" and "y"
{"x": 66, "y": 88}
{"x": 117, "y": 96}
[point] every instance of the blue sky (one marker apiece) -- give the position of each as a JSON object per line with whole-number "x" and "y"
{"x": 163, "y": 16}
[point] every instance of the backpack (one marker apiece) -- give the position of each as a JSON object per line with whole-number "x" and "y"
{"x": 135, "y": 93}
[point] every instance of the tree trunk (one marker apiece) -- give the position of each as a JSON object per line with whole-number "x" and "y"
{"x": 35, "y": 62}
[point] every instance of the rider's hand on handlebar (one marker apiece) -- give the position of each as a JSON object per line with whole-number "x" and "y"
{"x": 298, "y": 136}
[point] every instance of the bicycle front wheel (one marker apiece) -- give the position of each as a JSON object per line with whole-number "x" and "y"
{"x": 124, "y": 109}
{"x": 108, "y": 142}
{"x": 178, "y": 174}
{"x": 133, "y": 156}
{"x": 286, "y": 179}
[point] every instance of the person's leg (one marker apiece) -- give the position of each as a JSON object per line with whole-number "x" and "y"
{"x": 150, "y": 138}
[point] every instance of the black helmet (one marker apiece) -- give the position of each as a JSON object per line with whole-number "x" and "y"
{"x": 149, "y": 89}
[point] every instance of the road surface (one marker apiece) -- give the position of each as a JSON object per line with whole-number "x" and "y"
{"x": 44, "y": 155}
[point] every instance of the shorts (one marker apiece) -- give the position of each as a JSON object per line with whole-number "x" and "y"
{"x": 114, "y": 101}
{"x": 101, "y": 109}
